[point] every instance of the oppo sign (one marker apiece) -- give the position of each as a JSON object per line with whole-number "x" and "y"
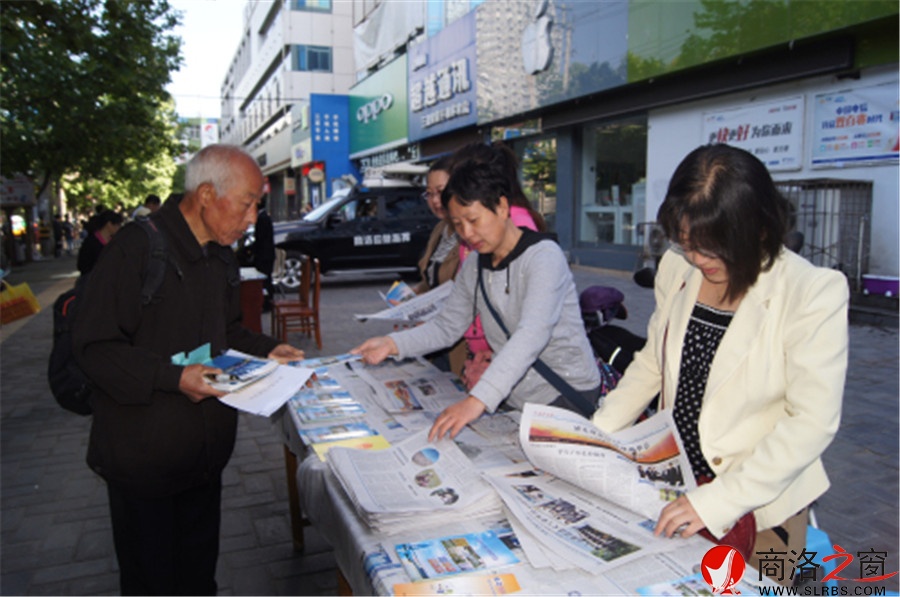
{"x": 371, "y": 110}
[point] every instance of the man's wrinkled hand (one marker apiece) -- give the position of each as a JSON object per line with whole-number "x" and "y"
{"x": 194, "y": 382}
{"x": 285, "y": 353}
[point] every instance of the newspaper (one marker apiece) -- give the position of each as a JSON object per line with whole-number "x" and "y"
{"x": 403, "y": 386}
{"x": 569, "y": 522}
{"x": 641, "y": 468}
{"x": 412, "y": 484}
{"x": 420, "y": 308}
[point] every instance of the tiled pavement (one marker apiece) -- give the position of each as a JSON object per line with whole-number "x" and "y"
{"x": 56, "y": 537}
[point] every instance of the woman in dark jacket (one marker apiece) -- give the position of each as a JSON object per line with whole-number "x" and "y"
{"x": 100, "y": 228}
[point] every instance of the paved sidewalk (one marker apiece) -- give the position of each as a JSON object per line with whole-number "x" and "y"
{"x": 56, "y": 537}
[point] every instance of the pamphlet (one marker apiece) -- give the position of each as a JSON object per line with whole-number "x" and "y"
{"x": 446, "y": 556}
{"x": 254, "y": 385}
{"x": 399, "y": 292}
{"x": 333, "y": 433}
{"x": 369, "y": 442}
{"x": 317, "y": 362}
{"x": 239, "y": 370}
{"x": 329, "y": 414}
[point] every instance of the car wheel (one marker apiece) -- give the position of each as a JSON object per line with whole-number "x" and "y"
{"x": 293, "y": 268}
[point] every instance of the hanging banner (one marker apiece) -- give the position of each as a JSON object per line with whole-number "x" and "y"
{"x": 856, "y": 127}
{"x": 772, "y": 131}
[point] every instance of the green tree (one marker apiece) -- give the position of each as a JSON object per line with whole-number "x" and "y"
{"x": 82, "y": 89}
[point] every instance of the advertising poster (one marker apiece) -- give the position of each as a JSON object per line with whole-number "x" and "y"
{"x": 378, "y": 110}
{"x": 856, "y": 127}
{"x": 330, "y": 136}
{"x": 772, "y": 131}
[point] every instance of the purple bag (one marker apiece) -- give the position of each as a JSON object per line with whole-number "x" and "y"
{"x": 600, "y": 305}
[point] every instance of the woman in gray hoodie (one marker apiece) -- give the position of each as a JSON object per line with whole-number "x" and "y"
{"x": 525, "y": 276}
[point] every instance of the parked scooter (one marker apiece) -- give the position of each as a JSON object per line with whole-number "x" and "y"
{"x": 600, "y": 306}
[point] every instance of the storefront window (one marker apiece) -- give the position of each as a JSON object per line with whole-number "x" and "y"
{"x": 613, "y": 182}
{"x": 537, "y": 165}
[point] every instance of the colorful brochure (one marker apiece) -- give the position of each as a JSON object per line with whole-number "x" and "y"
{"x": 446, "y": 556}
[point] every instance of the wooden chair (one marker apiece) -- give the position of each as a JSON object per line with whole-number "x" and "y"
{"x": 301, "y": 315}
{"x": 301, "y": 298}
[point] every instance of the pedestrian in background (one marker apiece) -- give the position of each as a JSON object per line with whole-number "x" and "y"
{"x": 160, "y": 438}
{"x": 264, "y": 251}
{"x": 440, "y": 261}
{"x": 68, "y": 235}
{"x": 100, "y": 229}
{"x": 150, "y": 205}
{"x": 58, "y": 236}
{"x": 748, "y": 347}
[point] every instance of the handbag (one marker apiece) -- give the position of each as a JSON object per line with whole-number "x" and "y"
{"x": 562, "y": 386}
{"x": 17, "y": 302}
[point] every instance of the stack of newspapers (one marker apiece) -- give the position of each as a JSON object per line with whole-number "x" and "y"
{"x": 413, "y": 484}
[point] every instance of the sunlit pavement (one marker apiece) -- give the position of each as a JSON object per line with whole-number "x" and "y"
{"x": 56, "y": 537}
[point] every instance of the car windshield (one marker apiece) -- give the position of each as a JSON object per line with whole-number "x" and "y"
{"x": 319, "y": 212}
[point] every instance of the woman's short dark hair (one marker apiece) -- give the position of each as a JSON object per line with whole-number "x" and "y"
{"x": 473, "y": 181}
{"x": 732, "y": 209}
{"x": 99, "y": 220}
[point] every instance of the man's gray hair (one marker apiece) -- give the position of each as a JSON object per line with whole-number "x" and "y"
{"x": 213, "y": 164}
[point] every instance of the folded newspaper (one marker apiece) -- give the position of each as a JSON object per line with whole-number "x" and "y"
{"x": 420, "y": 308}
{"x": 641, "y": 468}
{"x": 412, "y": 484}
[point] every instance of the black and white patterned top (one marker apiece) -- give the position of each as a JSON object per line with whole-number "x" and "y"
{"x": 704, "y": 332}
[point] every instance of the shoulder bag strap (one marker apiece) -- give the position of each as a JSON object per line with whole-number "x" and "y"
{"x": 553, "y": 378}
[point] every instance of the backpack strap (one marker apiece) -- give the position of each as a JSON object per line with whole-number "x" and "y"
{"x": 551, "y": 376}
{"x": 158, "y": 256}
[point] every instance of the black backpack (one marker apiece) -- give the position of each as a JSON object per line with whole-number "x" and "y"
{"x": 68, "y": 383}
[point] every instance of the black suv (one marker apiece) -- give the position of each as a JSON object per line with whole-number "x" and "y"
{"x": 372, "y": 228}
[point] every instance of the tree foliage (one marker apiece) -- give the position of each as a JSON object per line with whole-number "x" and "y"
{"x": 82, "y": 90}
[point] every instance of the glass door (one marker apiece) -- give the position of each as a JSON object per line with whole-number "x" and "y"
{"x": 613, "y": 182}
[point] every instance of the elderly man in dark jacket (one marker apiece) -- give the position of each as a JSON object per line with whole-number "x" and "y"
{"x": 160, "y": 437}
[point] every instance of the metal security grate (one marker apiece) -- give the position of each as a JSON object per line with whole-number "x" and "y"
{"x": 834, "y": 217}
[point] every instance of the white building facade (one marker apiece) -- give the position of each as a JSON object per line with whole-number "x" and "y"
{"x": 289, "y": 50}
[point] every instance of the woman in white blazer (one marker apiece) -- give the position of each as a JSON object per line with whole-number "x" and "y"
{"x": 747, "y": 345}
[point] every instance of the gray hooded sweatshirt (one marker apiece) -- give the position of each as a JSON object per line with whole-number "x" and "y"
{"x": 533, "y": 291}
